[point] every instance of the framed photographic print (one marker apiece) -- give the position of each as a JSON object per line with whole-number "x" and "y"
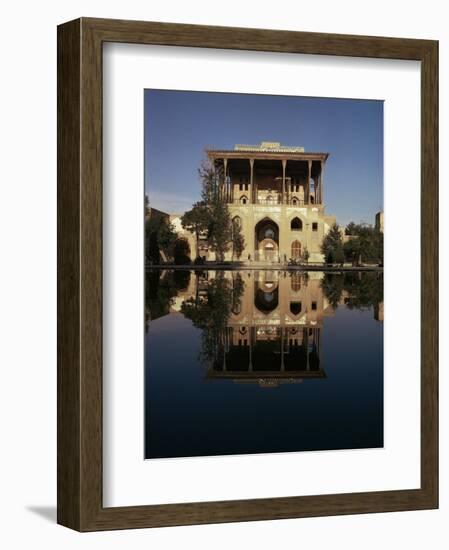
{"x": 247, "y": 274}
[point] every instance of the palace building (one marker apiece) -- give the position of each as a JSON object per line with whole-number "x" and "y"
{"x": 276, "y": 194}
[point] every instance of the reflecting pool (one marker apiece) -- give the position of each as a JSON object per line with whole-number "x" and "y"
{"x": 250, "y": 361}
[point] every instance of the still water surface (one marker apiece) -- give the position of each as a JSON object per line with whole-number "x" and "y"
{"x": 262, "y": 361}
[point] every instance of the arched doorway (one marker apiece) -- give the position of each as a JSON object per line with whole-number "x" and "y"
{"x": 296, "y": 250}
{"x": 267, "y": 241}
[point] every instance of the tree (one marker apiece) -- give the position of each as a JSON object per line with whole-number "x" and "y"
{"x": 332, "y": 285}
{"x": 363, "y": 289}
{"x": 160, "y": 237}
{"x": 221, "y": 234}
{"x": 237, "y": 239}
{"x": 159, "y": 295}
{"x": 332, "y": 246}
{"x": 181, "y": 251}
{"x": 351, "y": 229}
{"x": 365, "y": 244}
{"x": 306, "y": 255}
{"x": 211, "y": 312}
{"x": 160, "y": 234}
{"x": 197, "y": 221}
{"x": 352, "y": 251}
{"x": 220, "y": 226}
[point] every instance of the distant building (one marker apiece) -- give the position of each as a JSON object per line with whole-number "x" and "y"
{"x": 155, "y": 213}
{"x": 380, "y": 221}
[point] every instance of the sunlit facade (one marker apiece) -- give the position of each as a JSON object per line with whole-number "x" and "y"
{"x": 276, "y": 194}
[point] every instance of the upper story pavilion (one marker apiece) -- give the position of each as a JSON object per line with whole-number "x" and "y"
{"x": 270, "y": 173}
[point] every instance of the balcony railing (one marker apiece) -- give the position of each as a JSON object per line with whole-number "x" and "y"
{"x": 273, "y": 202}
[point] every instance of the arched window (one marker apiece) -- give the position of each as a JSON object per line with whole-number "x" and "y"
{"x": 296, "y": 249}
{"x": 312, "y": 199}
{"x": 237, "y": 222}
{"x": 244, "y": 199}
{"x": 295, "y": 307}
{"x": 295, "y": 200}
{"x": 296, "y": 224}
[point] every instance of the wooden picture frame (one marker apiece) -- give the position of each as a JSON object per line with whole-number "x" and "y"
{"x": 80, "y": 504}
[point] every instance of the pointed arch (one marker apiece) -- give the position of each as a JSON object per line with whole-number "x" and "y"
{"x": 296, "y": 224}
{"x": 296, "y": 249}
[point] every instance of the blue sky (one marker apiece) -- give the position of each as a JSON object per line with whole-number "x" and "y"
{"x": 180, "y": 125}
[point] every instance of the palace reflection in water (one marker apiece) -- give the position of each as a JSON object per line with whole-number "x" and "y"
{"x": 262, "y": 361}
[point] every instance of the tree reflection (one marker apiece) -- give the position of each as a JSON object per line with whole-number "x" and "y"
{"x": 210, "y": 311}
{"x": 161, "y": 288}
{"x": 355, "y": 289}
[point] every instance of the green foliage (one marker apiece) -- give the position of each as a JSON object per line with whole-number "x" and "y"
{"x": 197, "y": 221}
{"x": 220, "y": 229}
{"x": 166, "y": 236}
{"x": 221, "y": 233}
{"x": 237, "y": 240}
{"x": 181, "y": 251}
{"x": 332, "y": 246}
{"x": 160, "y": 235}
{"x": 352, "y": 251}
{"x": 365, "y": 245}
{"x": 350, "y": 229}
{"x": 306, "y": 254}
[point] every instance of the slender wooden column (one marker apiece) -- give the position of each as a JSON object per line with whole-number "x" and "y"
{"x": 225, "y": 185}
{"x": 252, "y": 194}
{"x": 215, "y": 177}
{"x": 322, "y": 183}
{"x": 284, "y": 164}
{"x": 309, "y": 170}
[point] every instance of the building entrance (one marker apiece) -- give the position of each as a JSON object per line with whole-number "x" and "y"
{"x": 267, "y": 241}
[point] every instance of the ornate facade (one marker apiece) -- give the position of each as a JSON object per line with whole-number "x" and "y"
{"x": 276, "y": 194}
